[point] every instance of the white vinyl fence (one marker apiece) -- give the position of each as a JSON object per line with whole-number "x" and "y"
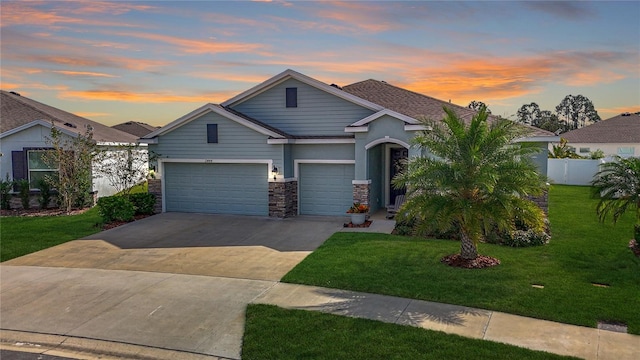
{"x": 572, "y": 171}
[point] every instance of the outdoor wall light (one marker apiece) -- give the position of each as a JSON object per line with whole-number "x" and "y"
{"x": 274, "y": 171}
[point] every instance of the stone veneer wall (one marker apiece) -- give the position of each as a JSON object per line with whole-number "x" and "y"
{"x": 361, "y": 193}
{"x": 542, "y": 201}
{"x": 155, "y": 188}
{"x": 283, "y": 199}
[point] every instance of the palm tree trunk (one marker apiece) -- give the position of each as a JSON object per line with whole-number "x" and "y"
{"x": 468, "y": 249}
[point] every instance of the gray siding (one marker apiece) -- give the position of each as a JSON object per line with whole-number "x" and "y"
{"x": 235, "y": 141}
{"x": 318, "y": 112}
{"x": 324, "y": 152}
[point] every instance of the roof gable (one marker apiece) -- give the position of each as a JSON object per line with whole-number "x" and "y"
{"x": 17, "y": 111}
{"x": 291, "y": 74}
{"x": 618, "y": 129}
{"x": 135, "y": 128}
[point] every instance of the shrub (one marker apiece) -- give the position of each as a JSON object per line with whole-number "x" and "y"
{"x": 23, "y": 184}
{"x": 115, "y": 208}
{"x": 143, "y": 203}
{"x": 525, "y": 238}
{"x": 5, "y": 196}
{"x": 45, "y": 193}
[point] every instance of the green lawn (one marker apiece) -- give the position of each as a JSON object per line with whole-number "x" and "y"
{"x": 275, "y": 333}
{"x": 581, "y": 252}
{"x": 23, "y": 235}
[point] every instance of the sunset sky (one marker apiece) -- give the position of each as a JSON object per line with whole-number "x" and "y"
{"x": 117, "y": 61}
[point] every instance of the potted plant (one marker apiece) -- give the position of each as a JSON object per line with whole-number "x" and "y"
{"x": 358, "y": 213}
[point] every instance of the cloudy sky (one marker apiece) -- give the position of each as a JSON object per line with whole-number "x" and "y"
{"x": 154, "y": 61}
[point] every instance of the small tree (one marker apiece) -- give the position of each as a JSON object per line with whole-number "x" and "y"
{"x": 5, "y": 193}
{"x": 73, "y": 157}
{"x": 123, "y": 166}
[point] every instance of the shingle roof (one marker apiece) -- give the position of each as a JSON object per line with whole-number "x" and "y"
{"x": 414, "y": 104}
{"x": 16, "y": 110}
{"x": 138, "y": 129}
{"x": 618, "y": 129}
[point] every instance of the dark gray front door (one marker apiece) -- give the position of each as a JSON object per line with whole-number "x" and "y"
{"x": 398, "y": 164}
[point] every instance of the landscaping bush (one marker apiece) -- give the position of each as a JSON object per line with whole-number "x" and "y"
{"x": 143, "y": 203}
{"x": 5, "y": 193}
{"x": 525, "y": 238}
{"x": 116, "y": 208}
{"x": 45, "y": 193}
{"x": 23, "y": 184}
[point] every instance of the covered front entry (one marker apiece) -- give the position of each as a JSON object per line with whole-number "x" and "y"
{"x": 384, "y": 162}
{"x": 216, "y": 188}
{"x": 325, "y": 189}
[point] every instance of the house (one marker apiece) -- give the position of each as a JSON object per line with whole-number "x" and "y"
{"x": 294, "y": 145}
{"x": 619, "y": 135}
{"x": 25, "y": 126}
{"x": 136, "y": 128}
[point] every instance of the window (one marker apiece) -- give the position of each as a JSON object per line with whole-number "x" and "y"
{"x": 626, "y": 151}
{"x": 292, "y": 97}
{"x": 585, "y": 149}
{"x": 212, "y": 133}
{"x": 38, "y": 167}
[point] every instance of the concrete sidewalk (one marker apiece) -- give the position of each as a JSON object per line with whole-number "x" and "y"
{"x": 535, "y": 334}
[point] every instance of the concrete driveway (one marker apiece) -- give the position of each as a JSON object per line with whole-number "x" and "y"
{"x": 168, "y": 283}
{"x": 243, "y": 247}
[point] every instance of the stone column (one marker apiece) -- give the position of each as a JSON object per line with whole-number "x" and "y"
{"x": 361, "y": 191}
{"x": 283, "y": 198}
{"x": 155, "y": 188}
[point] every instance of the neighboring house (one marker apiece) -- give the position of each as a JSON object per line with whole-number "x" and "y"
{"x": 25, "y": 126}
{"x": 138, "y": 129}
{"x": 294, "y": 145}
{"x": 619, "y": 135}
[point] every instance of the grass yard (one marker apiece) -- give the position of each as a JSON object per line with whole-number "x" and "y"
{"x": 21, "y": 235}
{"x": 276, "y": 333}
{"x": 582, "y": 251}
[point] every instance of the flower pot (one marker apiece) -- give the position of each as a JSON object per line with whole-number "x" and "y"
{"x": 357, "y": 219}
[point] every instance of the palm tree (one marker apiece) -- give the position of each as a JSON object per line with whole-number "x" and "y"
{"x": 617, "y": 184}
{"x": 477, "y": 179}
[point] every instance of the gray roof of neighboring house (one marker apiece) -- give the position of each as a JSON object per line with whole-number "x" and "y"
{"x": 16, "y": 111}
{"x": 414, "y": 104}
{"x": 618, "y": 129}
{"x": 138, "y": 129}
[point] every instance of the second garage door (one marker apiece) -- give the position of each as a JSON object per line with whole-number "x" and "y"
{"x": 326, "y": 189}
{"x": 240, "y": 189}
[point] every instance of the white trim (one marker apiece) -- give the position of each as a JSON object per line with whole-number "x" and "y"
{"x": 417, "y": 128}
{"x": 379, "y": 114}
{"x": 356, "y": 129}
{"x": 292, "y": 74}
{"x": 113, "y": 143}
{"x": 202, "y": 111}
{"x": 312, "y": 141}
{"x": 148, "y": 141}
{"x": 386, "y": 139}
{"x": 46, "y": 124}
{"x": 360, "y": 182}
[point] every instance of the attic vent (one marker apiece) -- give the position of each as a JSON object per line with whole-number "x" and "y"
{"x": 14, "y": 93}
{"x": 336, "y": 86}
{"x": 626, "y": 114}
{"x": 70, "y": 125}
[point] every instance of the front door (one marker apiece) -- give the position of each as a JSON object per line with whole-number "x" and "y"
{"x": 398, "y": 164}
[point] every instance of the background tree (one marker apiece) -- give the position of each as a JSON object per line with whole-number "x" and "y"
{"x": 550, "y": 122}
{"x": 477, "y": 105}
{"x": 577, "y": 111}
{"x": 477, "y": 180}
{"x": 529, "y": 114}
{"x": 73, "y": 157}
{"x": 123, "y": 166}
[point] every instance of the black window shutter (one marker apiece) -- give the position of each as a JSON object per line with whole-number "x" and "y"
{"x": 292, "y": 97}
{"x": 212, "y": 133}
{"x": 19, "y": 165}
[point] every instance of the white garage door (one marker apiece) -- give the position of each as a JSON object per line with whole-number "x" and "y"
{"x": 217, "y": 188}
{"x": 326, "y": 189}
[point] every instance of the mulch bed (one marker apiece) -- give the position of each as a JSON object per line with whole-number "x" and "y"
{"x": 366, "y": 224}
{"x": 478, "y": 263}
{"x": 115, "y": 224}
{"x": 41, "y": 212}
